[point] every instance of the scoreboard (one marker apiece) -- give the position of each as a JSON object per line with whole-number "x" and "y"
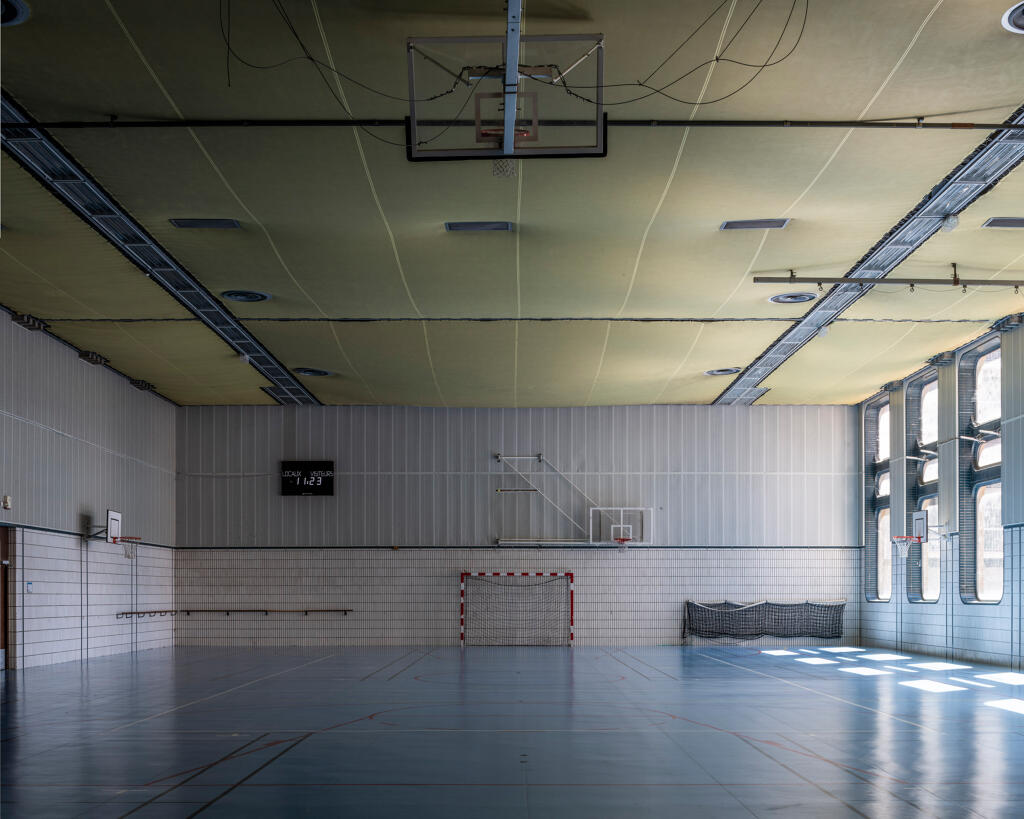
{"x": 307, "y": 477}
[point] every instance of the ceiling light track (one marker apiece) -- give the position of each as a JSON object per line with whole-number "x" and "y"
{"x": 40, "y": 155}
{"x": 999, "y": 154}
{"x": 862, "y": 283}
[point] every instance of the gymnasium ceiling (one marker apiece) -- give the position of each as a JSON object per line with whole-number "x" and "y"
{"x": 337, "y": 226}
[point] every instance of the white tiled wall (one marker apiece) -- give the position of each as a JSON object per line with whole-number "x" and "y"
{"x": 411, "y": 596}
{"x": 71, "y": 611}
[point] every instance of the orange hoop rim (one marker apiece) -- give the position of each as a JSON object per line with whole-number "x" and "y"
{"x": 129, "y": 538}
{"x": 621, "y": 540}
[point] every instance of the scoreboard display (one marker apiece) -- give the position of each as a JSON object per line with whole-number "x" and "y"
{"x": 307, "y": 477}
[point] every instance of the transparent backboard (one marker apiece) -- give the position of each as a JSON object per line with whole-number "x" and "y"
{"x": 457, "y": 97}
{"x": 628, "y": 524}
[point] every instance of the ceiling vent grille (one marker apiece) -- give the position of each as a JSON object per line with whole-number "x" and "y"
{"x": 210, "y": 224}
{"x": 1005, "y": 222}
{"x": 755, "y": 224}
{"x": 453, "y": 227}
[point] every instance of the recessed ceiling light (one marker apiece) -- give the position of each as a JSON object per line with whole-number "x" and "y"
{"x": 754, "y": 224}
{"x": 792, "y": 298}
{"x": 1005, "y": 222}
{"x": 314, "y": 371}
{"x": 214, "y": 224}
{"x": 723, "y": 371}
{"x": 1013, "y": 20}
{"x": 245, "y": 295}
{"x": 458, "y": 226}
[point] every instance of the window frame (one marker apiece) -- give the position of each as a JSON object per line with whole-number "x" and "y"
{"x": 971, "y": 477}
{"x": 976, "y": 493}
{"x": 872, "y": 503}
{"x": 921, "y": 598}
{"x": 917, "y": 454}
{"x": 883, "y": 510}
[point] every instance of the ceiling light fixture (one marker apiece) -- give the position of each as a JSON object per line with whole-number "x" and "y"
{"x": 214, "y": 224}
{"x": 723, "y": 371}
{"x": 1005, "y": 222}
{"x": 754, "y": 224}
{"x": 311, "y": 371}
{"x": 792, "y": 298}
{"x": 247, "y": 296}
{"x": 453, "y": 227}
{"x": 950, "y": 222}
{"x": 1013, "y": 20}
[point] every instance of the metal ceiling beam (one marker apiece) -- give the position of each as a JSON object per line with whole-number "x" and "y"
{"x": 999, "y": 154}
{"x": 515, "y": 11}
{"x": 36, "y": 151}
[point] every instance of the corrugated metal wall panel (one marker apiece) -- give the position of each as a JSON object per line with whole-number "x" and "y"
{"x": 78, "y": 438}
{"x": 716, "y": 476}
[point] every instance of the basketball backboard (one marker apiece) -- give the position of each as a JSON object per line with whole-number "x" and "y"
{"x": 113, "y": 526}
{"x": 919, "y": 525}
{"x": 458, "y": 97}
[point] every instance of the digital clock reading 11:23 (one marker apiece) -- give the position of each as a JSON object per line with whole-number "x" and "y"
{"x": 307, "y": 477}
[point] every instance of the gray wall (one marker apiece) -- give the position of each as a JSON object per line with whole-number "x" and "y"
{"x": 715, "y": 476}
{"x": 76, "y": 438}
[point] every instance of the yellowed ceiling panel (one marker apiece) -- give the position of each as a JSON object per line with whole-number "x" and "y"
{"x": 183, "y": 360}
{"x": 326, "y": 240}
{"x": 54, "y": 265}
{"x": 855, "y": 359}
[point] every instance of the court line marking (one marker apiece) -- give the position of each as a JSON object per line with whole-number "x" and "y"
{"x": 872, "y": 782}
{"x": 220, "y": 693}
{"x": 609, "y": 654}
{"x": 821, "y": 693}
{"x": 623, "y": 651}
{"x": 224, "y": 758}
{"x": 799, "y": 775}
{"x": 251, "y": 775}
{"x": 406, "y": 668}
{"x": 392, "y": 662}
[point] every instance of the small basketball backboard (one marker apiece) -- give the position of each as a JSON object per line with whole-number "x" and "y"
{"x": 919, "y": 525}
{"x": 113, "y": 526}
{"x": 459, "y": 97}
{"x": 625, "y": 525}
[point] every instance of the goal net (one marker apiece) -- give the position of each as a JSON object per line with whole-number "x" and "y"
{"x": 516, "y": 609}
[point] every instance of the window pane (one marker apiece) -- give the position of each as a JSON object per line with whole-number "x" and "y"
{"x": 987, "y": 375}
{"x": 884, "y": 556}
{"x": 990, "y": 452}
{"x": 930, "y": 470}
{"x": 930, "y": 412}
{"x": 989, "y": 542}
{"x": 930, "y": 552}
{"x": 882, "y": 444}
{"x": 882, "y": 485}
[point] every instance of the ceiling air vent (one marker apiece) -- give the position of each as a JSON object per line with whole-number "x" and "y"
{"x": 454, "y": 226}
{"x": 754, "y": 224}
{"x": 1005, "y": 222}
{"x": 210, "y": 224}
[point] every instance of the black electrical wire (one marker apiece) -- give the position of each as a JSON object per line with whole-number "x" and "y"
{"x": 308, "y": 57}
{"x": 571, "y": 90}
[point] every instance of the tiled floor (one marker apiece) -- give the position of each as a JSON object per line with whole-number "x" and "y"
{"x": 509, "y": 732}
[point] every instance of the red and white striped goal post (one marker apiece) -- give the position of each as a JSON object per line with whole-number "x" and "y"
{"x": 462, "y": 597}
